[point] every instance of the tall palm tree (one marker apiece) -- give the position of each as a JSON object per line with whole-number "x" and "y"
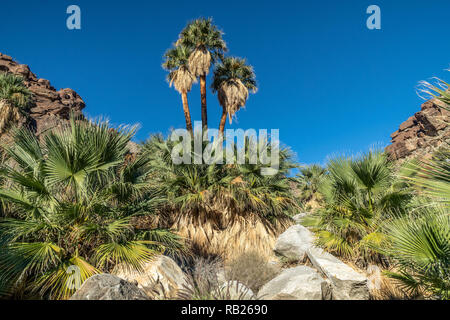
{"x": 233, "y": 78}
{"x": 205, "y": 39}
{"x": 14, "y": 99}
{"x": 176, "y": 62}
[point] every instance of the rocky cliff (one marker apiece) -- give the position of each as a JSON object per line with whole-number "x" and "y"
{"x": 423, "y": 133}
{"x": 51, "y": 107}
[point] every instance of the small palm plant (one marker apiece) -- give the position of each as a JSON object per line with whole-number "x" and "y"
{"x": 419, "y": 246}
{"x": 308, "y": 180}
{"x": 205, "y": 41}
{"x": 419, "y": 243}
{"x": 233, "y": 79}
{"x": 439, "y": 90}
{"x": 358, "y": 195}
{"x": 176, "y": 62}
{"x": 72, "y": 198}
{"x": 430, "y": 177}
{"x": 222, "y": 206}
{"x": 15, "y": 98}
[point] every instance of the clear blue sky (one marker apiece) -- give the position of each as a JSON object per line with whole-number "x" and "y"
{"x": 327, "y": 82}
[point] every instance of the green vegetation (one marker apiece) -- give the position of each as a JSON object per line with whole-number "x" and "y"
{"x": 358, "y": 194}
{"x": 217, "y": 206}
{"x": 308, "y": 181}
{"x": 15, "y": 99}
{"x": 68, "y": 200}
{"x": 78, "y": 196}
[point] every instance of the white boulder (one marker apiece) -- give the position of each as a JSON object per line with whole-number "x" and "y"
{"x": 294, "y": 242}
{"x": 299, "y": 283}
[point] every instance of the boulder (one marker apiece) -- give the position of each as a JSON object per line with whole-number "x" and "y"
{"x": 234, "y": 290}
{"x": 346, "y": 283}
{"x": 108, "y": 287}
{"x": 160, "y": 278}
{"x": 299, "y": 283}
{"x": 294, "y": 242}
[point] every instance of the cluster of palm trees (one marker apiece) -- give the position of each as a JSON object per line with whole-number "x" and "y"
{"x": 374, "y": 212}
{"x": 198, "y": 48}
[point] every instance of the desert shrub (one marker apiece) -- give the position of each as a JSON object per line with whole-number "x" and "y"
{"x": 251, "y": 269}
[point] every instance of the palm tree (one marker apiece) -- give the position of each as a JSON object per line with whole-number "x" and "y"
{"x": 14, "y": 99}
{"x": 430, "y": 177}
{"x": 207, "y": 45}
{"x": 222, "y": 206}
{"x": 233, "y": 78}
{"x": 419, "y": 246}
{"x": 176, "y": 62}
{"x": 73, "y": 195}
{"x": 309, "y": 180}
{"x": 358, "y": 194}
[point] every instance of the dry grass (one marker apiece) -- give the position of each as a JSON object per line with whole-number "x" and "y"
{"x": 228, "y": 236}
{"x": 251, "y": 269}
{"x": 206, "y": 281}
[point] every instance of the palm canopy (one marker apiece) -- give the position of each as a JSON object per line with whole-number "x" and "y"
{"x": 70, "y": 202}
{"x": 176, "y": 62}
{"x": 219, "y": 205}
{"x": 233, "y": 78}
{"x": 205, "y": 39}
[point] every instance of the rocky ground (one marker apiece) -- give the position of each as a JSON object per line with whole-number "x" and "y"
{"x": 327, "y": 278}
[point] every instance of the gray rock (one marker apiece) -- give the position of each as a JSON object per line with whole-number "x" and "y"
{"x": 160, "y": 278}
{"x": 108, "y": 287}
{"x": 294, "y": 242}
{"x": 299, "y": 283}
{"x": 346, "y": 283}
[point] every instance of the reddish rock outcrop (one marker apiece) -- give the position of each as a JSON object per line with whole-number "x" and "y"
{"x": 423, "y": 133}
{"x": 51, "y": 107}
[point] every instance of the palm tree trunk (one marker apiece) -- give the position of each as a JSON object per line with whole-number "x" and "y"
{"x": 187, "y": 113}
{"x": 203, "y": 101}
{"x": 223, "y": 120}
